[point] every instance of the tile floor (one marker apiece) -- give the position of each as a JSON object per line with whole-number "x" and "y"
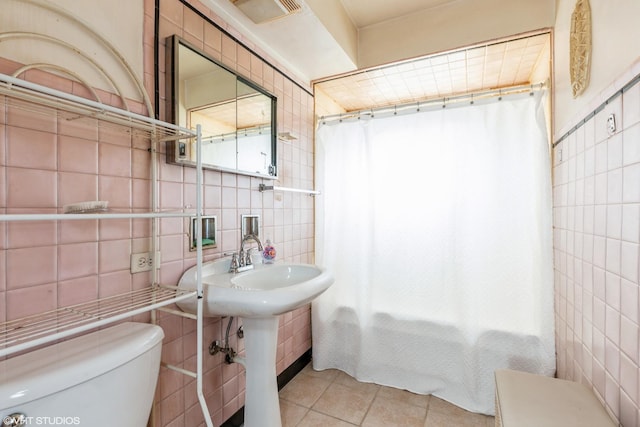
{"x": 333, "y": 399}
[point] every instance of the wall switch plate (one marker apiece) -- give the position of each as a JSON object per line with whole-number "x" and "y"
{"x": 144, "y": 261}
{"x": 611, "y": 124}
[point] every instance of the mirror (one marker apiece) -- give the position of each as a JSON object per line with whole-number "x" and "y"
{"x": 237, "y": 117}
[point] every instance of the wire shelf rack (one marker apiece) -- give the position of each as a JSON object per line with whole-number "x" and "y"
{"x": 43, "y": 100}
{"x": 28, "y": 332}
{"x": 33, "y": 331}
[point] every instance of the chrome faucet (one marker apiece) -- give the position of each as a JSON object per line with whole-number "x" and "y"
{"x": 246, "y": 259}
{"x": 241, "y": 261}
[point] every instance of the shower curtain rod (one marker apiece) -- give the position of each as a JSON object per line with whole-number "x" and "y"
{"x": 470, "y": 97}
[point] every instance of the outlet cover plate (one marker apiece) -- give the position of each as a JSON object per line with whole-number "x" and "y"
{"x": 144, "y": 261}
{"x": 611, "y": 124}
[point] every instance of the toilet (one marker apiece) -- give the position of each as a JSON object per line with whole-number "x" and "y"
{"x": 104, "y": 378}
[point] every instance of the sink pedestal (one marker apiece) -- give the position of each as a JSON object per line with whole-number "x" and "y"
{"x": 257, "y": 296}
{"x": 262, "y": 404}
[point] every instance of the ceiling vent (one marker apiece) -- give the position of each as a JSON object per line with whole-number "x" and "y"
{"x": 260, "y": 11}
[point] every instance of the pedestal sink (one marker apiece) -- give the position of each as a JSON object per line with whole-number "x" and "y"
{"x": 258, "y": 296}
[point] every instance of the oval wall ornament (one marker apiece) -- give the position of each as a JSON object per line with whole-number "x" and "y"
{"x": 580, "y": 47}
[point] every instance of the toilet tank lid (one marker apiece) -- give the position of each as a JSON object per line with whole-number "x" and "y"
{"x": 56, "y": 367}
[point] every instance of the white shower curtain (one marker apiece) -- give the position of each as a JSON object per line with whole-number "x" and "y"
{"x": 437, "y": 227}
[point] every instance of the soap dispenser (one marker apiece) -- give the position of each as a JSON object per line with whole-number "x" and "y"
{"x": 268, "y": 253}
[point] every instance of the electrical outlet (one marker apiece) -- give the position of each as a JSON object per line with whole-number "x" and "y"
{"x": 144, "y": 261}
{"x": 611, "y": 124}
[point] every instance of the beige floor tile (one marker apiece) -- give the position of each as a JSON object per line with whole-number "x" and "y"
{"x": 316, "y": 419}
{"x": 338, "y": 400}
{"x": 441, "y": 405}
{"x": 291, "y": 414}
{"x": 444, "y": 414}
{"x": 491, "y": 421}
{"x": 348, "y": 381}
{"x": 385, "y": 412}
{"x": 327, "y": 374}
{"x": 437, "y": 419}
{"x": 420, "y": 400}
{"x": 346, "y": 403}
{"x": 304, "y": 390}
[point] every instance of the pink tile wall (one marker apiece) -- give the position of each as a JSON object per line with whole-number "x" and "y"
{"x": 46, "y": 162}
{"x": 287, "y": 219}
{"x": 597, "y": 246}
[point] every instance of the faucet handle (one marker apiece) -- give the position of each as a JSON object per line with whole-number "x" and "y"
{"x": 247, "y": 257}
{"x": 234, "y": 263}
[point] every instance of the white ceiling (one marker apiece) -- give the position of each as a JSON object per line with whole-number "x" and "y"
{"x": 305, "y": 45}
{"x": 332, "y": 37}
{"x": 445, "y": 46}
{"x": 369, "y": 12}
{"x": 300, "y": 42}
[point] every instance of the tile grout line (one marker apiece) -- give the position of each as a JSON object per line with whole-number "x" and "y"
{"x": 370, "y": 405}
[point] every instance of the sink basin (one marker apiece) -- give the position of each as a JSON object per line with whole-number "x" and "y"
{"x": 277, "y": 276}
{"x": 258, "y": 296}
{"x": 266, "y": 290}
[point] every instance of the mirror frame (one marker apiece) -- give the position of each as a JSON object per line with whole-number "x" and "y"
{"x": 175, "y": 148}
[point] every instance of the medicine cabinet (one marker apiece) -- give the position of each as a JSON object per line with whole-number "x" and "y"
{"x": 238, "y": 117}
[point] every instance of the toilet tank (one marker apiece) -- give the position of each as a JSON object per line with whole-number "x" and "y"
{"x": 100, "y": 379}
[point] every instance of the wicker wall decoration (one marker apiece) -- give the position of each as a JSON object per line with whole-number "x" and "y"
{"x": 580, "y": 47}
